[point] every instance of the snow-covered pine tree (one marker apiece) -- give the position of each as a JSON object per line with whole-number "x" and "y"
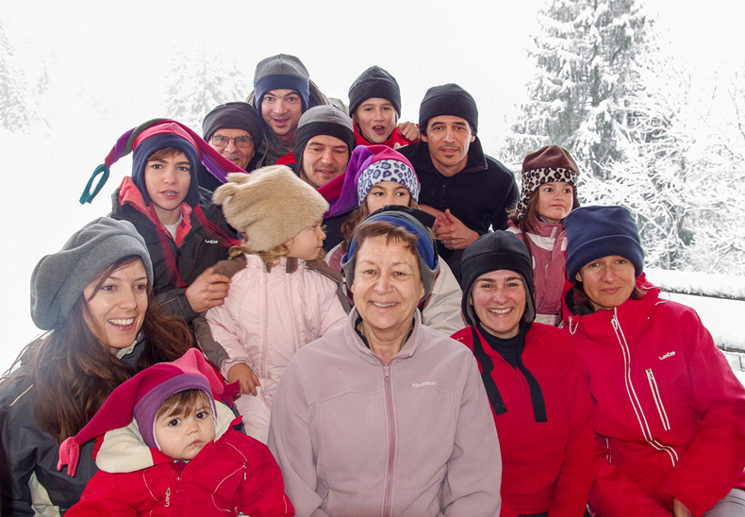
{"x": 585, "y": 56}
{"x": 198, "y": 81}
{"x": 14, "y": 113}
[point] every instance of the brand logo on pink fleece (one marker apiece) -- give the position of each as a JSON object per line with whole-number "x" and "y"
{"x": 426, "y": 383}
{"x": 669, "y": 354}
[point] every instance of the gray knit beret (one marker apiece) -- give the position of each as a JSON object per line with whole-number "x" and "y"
{"x": 60, "y": 279}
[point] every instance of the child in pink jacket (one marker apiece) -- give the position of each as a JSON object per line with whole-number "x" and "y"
{"x": 548, "y": 194}
{"x": 281, "y": 296}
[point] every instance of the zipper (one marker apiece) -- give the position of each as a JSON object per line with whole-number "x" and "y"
{"x": 388, "y": 499}
{"x": 658, "y": 400}
{"x": 641, "y": 418}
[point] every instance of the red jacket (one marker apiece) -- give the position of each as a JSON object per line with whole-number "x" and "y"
{"x": 668, "y": 410}
{"x": 234, "y": 474}
{"x": 394, "y": 141}
{"x": 547, "y": 466}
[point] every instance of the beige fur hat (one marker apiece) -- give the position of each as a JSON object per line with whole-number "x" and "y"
{"x": 269, "y": 206}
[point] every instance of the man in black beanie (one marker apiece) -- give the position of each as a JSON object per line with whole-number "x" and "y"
{"x": 468, "y": 191}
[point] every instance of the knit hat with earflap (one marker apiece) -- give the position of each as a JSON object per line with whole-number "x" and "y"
{"x": 59, "y": 279}
{"x": 323, "y": 120}
{"x": 234, "y": 115}
{"x": 374, "y": 83}
{"x": 491, "y": 252}
{"x": 368, "y": 166}
{"x": 547, "y": 164}
{"x": 281, "y": 72}
{"x": 410, "y": 219}
{"x": 270, "y": 206}
{"x": 448, "y": 99}
{"x": 218, "y": 165}
{"x": 140, "y": 397}
{"x": 595, "y": 232}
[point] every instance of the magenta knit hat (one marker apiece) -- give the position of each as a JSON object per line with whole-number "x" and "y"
{"x": 369, "y": 165}
{"x": 140, "y": 397}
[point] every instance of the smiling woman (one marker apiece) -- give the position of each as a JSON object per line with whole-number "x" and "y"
{"x": 667, "y": 406}
{"x": 389, "y": 393}
{"x": 94, "y": 297}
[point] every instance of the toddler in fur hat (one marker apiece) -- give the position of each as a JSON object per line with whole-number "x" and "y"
{"x": 167, "y": 447}
{"x": 281, "y": 296}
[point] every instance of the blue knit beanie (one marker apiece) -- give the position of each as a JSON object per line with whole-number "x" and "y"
{"x": 595, "y": 232}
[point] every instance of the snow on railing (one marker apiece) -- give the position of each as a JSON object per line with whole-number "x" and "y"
{"x": 698, "y": 284}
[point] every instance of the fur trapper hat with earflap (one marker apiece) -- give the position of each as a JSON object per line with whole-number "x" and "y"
{"x": 270, "y": 206}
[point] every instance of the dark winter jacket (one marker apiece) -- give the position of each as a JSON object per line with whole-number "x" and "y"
{"x": 547, "y": 466}
{"x": 176, "y": 263}
{"x": 26, "y": 451}
{"x": 668, "y": 410}
{"x": 479, "y": 195}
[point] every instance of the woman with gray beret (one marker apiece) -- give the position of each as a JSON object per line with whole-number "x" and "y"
{"x": 93, "y": 299}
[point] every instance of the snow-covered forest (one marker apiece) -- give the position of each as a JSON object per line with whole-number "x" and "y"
{"x": 655, "y": 122}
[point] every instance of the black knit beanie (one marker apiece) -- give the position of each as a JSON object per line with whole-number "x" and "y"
{"x": 448, "y": 99}
{"x": 374, "y": 83}
{"x": 323, "y": 120}
{"x": 492, "y": 252}
{"x": 234, "y": 115}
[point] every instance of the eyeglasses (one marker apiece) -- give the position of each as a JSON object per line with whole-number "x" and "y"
{"x": 223, "y": 141}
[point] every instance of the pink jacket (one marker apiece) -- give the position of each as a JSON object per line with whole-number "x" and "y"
{"x": 548, "y": 248}
{"x": 669, "y": 412}
{"x": 413, "y": 437}
{"x": 266, "y": 318}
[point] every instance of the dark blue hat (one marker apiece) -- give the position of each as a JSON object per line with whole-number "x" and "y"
{"x": 595, "y": 232}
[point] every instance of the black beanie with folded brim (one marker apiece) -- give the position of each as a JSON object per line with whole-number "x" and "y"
{"x": 492, "y": 252}
{"x": 448, "y": 99}
{"x": 323, "y": 120}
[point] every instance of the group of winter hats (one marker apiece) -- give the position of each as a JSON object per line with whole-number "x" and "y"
{"x": 234, "y": 115}
{"x": 142, "y": 141}
{"x": 59, "y": 279}
{"x": 140, "y": 397}
{"x": 269, "y": 206}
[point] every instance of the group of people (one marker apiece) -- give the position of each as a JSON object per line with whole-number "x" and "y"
{"x": 303, "y": 312}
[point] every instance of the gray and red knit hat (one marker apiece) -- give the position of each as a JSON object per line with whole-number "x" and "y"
{"x": 140, "y": 397}
{"x": 547, "y": 164}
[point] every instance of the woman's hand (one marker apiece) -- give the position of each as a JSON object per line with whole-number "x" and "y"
{"x": 207, "y": 290}
{"x": 245, "y": 375}
{"x": 681, "y": 510}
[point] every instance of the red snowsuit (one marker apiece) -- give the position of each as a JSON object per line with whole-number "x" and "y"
{"x": 669, "y": 412}
{"x": 547, "y": 466}
{"x": 234, "y": 474}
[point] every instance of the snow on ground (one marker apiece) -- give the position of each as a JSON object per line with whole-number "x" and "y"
{"x": 724, "y": 286}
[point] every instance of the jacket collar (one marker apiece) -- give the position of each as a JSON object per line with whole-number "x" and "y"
{"x": 358, "y": 346}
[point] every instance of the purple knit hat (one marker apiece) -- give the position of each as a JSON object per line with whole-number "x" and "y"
{"x": 369, "y": 165}
{"x": 140, "y": 397}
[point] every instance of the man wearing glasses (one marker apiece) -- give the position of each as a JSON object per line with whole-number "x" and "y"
{"x": 234, "y": 130}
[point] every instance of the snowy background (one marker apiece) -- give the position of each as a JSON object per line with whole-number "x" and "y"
{"x": 74, "y": 77}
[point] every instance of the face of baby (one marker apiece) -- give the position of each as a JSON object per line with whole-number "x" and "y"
{"x": 182, "y": 434}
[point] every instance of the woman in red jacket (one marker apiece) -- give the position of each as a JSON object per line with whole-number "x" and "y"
{"x": 539, "y": 401}
{"x": 669, "y": 414}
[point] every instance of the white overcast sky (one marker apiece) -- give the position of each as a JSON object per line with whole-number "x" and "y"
{"x": 122, "y": 51}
